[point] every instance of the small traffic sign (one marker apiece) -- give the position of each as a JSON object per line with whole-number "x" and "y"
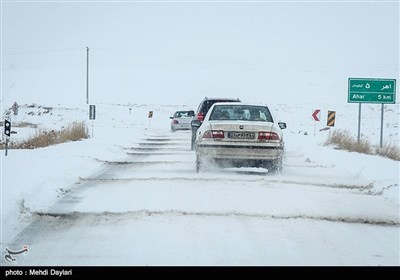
{"x": 92, "y": 112}
{"x": 317, "y": 115}
{"x": 331, "y": 118}
{"x": 15, "y": 108}
{"x": 7, "y": 127}
{"x": 372, "y": 91}
{"x": 150, "y": 114}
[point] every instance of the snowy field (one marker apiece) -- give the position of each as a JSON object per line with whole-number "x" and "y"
{"x": 130, "y": 194}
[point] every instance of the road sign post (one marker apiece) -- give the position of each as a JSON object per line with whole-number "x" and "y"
{"x": 150, "y": 116}
{"x": 7, "y": 127}
{"x": 7, "y": 132}
{"x": 359, "y": 123}
{"x": 378, "y": 91}
{"x": 92, "y": 112}
{"x": 15, "y": 108}
{"x": 92, "y": 116}
{"x": 317, "y": 117}
{"x": 331, "y": 118}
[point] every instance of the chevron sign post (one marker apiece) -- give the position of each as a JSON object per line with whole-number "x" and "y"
{"x": 317, "y": 115}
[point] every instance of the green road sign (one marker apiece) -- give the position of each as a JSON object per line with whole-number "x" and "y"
{"x": 372, "y": 91}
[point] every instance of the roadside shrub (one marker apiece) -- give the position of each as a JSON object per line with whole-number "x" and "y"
{"x": 74, "y": 132}
{"x": 42, "y": 138}
{"x": 343, "y": 140}
{"x": 389, "y": 150}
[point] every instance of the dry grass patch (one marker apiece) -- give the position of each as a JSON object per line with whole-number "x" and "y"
{"x": 390, "y": 150}
{"x": 343, "y": 140}
{"x": 73, "y": 132}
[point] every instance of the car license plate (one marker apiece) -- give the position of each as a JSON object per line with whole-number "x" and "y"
{"x": 241, "y": 135}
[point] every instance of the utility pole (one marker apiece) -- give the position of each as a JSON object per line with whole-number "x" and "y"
{"x": 87, "y": 75}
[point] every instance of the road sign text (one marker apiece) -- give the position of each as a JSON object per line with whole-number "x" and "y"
{"x": 372, "y": 91}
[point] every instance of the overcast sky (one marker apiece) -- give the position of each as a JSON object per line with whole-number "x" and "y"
{"x": 177, "y": 53}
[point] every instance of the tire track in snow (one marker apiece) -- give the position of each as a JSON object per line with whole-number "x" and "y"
{"x": 234, "y": 180}
{"x": 162, "y": 144}
{"x": 231, "y": 214}
{"x": 151, "y": 149}
{"x": 155, "y": 153}
{"x": 142, "y": 162}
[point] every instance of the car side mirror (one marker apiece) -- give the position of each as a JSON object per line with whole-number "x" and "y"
{"x": 195, "y": 123}
{"x": 282, "y": 125}
{"x": 171, "y": 118}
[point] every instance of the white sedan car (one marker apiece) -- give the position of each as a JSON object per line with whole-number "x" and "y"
{"x": 181, "y": 120}
{"x": 240, "y": 134}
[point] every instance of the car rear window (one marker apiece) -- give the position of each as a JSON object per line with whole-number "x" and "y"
{"x": 241, "y": 112}
{"x": 208, "y": 103}
{"x": 184, "y": 114}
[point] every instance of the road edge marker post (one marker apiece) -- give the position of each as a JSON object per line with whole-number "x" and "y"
{"x": 150, "y": 116}
{"x": 92, "y": 116}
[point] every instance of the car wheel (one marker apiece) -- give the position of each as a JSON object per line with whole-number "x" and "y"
{"x": 193, "y": 139}
{"x": 275, "y": 166}
{"x": 199, "y": 164}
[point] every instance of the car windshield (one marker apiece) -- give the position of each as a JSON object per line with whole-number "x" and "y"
{"x": 241, "y": 112}
{"x": 184, "y": 114}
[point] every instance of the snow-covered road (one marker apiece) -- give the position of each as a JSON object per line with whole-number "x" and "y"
{"x": 152, "y": 208}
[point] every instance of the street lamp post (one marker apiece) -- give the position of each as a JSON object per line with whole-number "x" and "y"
{"x": 87, "y": 75}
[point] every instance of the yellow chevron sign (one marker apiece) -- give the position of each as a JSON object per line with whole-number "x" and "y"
{"x": 331, "y": 118}
{"x": 150, "y": 114}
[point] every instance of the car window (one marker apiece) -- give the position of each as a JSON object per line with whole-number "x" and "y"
{"x": 184, "y": 114}
{"x": 208, "y": 105}
{"x": 220, "y": 114}
{"x": 200, "y": 107}
{"x": 205, "y": 106}
{"x": 242, "y": 112}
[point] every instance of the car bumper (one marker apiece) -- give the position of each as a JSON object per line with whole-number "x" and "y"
{"x": 181, "y": 126}
{"x": 239, "y": 152}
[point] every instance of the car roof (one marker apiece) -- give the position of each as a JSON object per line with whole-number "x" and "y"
{"x": 239, "y": 104}
{"x": 221, "y": 98}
